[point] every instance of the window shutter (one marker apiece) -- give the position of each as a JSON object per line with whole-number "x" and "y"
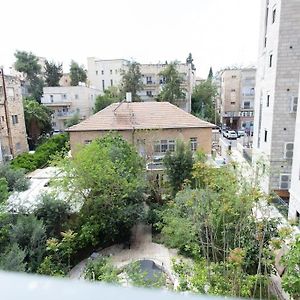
{"x": 284, "y": 181}
{"x": 289, "y": 150}
{"x": 294, "y": 104}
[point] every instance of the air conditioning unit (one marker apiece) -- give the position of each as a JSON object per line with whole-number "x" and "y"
{"x": 8, "y": 157}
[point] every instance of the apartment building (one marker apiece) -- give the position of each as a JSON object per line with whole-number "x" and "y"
{"x": 277, "y": 85}
{"x": 106, "y": 73}
{"x": 236, "y": 103}
{"x": 294, "y": 205}
{"x": 13, "y": 137}
{"x": 68, "y": 101}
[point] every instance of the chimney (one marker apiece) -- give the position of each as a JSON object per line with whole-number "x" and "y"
{"x": 128, "y": 97}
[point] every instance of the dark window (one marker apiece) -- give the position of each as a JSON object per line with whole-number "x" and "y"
{"x": 270, "y": 60}
{"x": 274, "y": 15}
{"x": 14, "y": 119}
{"x": 233, "y": 90}
{"x": 149, "y": 93}
{"x": 102, "y": 72}
{"x": 103, "y": 85}
{"x": 268, "y": 100}
{"x": 110, "y": 72}
{"x": 246, "y": 104}
{"x": 233, "y": 76}
{"x": 232, "y": 103}
{"x": 111, "y": 82}
{"x": 266, "y": 135}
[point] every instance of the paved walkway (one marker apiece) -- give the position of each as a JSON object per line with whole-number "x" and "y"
{"x": 141, "y": 247}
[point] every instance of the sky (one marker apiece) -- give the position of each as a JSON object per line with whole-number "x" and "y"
{"x": 218, "y": 33}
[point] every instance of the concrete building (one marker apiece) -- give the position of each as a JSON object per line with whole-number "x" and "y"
{"x": 294, "y": 205}
{"x": 236, "y": 103}
{"x": 277, "y": 84}
{"x": 153, "y": 127}
{"x": 13, "y": 137}
{"x": 66, "y": 102}
{"x": 106, "y": 73}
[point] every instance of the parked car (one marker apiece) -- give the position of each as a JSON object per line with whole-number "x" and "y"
{"x": 230, "y": 134}
{"x": 240, "y": 133}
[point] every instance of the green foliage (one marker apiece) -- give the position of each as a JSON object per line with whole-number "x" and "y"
{"x": 132, "y": 81}
{"x": 30, "y": 236}
{"x": 15, "y": 179}
{"x": 72, "y": 121}
{"x": 101, "y": 269}
{"x": 138, "y": 277}
{"x": 110, "y": 96}
{"x": 27, "y": 63}
{"x": 108, "y": 176}
{"x": 77, "y": 73}
{"x": 291, "y": 278}
{"x": 3, "y": 190}
{"x": 203, "y": 98}
{"x": 190, "y": 60}
{"x": 6, "y": 221}
{"x": 179, "y": 166}
{"x": 171, "y": 90}
{"x": 13, "y": 259}
{"x": 57, "y": 262}
{"x": 43, "y": 153}
{"x": 37, "y": 120}
{"x": 53, "y": 73}
{"x": 54, "y": 213}
{"x": 210, "y": 74}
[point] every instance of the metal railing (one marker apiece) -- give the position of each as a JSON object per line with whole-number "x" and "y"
{"x": 281, "y": 205}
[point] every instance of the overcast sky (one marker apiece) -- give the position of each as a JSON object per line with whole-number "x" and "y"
{"x": 218, "y": 33}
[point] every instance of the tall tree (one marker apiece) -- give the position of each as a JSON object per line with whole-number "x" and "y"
{"x": 77, "y": 73}
{"x": 210, "y": 74}
{"x": 27, "y": 63}
{"x": 110, "y": 96}
{"x": 190, "y": 60}
{"x": 53, "y": 73}
{"x": 171, "y": 90}
{"x": 132, "y": 81}
{"x": 37, "y": 120}
{"x": 203, "y": 98}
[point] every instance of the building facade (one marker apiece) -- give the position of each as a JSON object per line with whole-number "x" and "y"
{"x": 277, "y": 84}
{"x": 236, "y": 103}
{"x": 294, "y": 205}
{"x": 153, "y": 127}
{"x": 66, "y": 102}
{"x": 103, "y": 74}
{"x": 13, "y": 137}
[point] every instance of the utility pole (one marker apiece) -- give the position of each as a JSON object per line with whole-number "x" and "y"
{"x": 6, "y": 113}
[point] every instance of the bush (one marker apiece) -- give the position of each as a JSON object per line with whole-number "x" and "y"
{"x": 13, "y": 259}
{"x": 42, "y": 155}
{"x": 3, "y": 190}
{"x": 15, "y": 179}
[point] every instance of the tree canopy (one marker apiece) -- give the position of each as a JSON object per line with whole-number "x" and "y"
{"x": 172, "y": 80}
{"x": 132, "y": 81}
{"x": 53, "y": 73}
{"x": 77, "y": 73}
{"x": 110, "y": 96}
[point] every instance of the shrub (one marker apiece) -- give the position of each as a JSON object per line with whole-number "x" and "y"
{"x": 15, "y": 179}
{"x": 3, "y": 190}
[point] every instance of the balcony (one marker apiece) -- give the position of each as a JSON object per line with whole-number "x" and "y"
{"x": 65, "y": 114}
{"x": 57, "y": 103}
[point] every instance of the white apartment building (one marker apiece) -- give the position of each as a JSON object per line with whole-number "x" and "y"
{"x": 106, "y": 73}
{"x": 294, "y": 205}
{"x": 277, "y": 84}
{"x": 67, "y": 101}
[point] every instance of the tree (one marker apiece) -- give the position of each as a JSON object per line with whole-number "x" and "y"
{"x": 13, "y": 259}
{"x": 203, "y": 98}
{"x": 110, "y": 96}
{"x": 3, "y": 190}
{"x": 132, "y": 81}
{"x": 53, "y": 73}
{"x": 27, "y": 63}
{"x": 54, "y": 213}
{"x": 77, "y": 73}
{"x": 179, "y": 166}
{"x": 75, "y": 119}
{"x": 210, "y": 74}
{"x": 37, "y": 120}
{"x": 190, "y": 60}
{"x": 171, "y": 90}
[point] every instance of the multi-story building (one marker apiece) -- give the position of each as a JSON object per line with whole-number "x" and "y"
{"x": 13, "y": 137}
{"x": 277, "y": 84}
{"x": 66, "y": 102}
{"x": 294, "y": 205}
{"x": 106, "y": 73}
{"x": 236, "y": 103}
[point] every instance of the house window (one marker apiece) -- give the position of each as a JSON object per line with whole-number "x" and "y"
{"x": 149, "y": 93}
{"x": 51, "y": 98}
{"x": 232, "y": 90}
{"x": 164, "y": 146}
{"x": 110, "y": 72}
{"x": 96, "y": 72}
{"x": 233, "y": 76}
{"x": 10, "y": 92}
{"x": 86, "y": 142}
{"x": 266, "y": 135}
{"x": 232, "y": 103}
{"x": 103, "y": 85}
{"x": 171, "y": 145}
{"x": 274, "y": 15}
{"x": 270, "y": 60}
{"x": 18, "y": 146}
{"x": 111, "y": 82}
{"x": 157, "y": 147}
{"x": 268, "y": 100}
{"x": 294, "y": 104}
{"x": 246, "y": 104}
{"x": 1, "y": 90}
{"x": 15, "y": 119}
{"x": 288, "y": 150}
{"x": 284, "y": 181}
{"x": 102, "y": 72}
{"x": 194, "y": 143}
{"x": 148, "y": 79}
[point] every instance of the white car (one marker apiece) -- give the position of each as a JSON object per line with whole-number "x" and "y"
{"x": 230, "y": 134}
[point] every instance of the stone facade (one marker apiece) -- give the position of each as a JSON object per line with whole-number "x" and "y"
{"x": 13, "y": 137}
{"x": 277, "y": 83}
{"x": 236, "y": 105}
{"x": 65, "y": 102}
